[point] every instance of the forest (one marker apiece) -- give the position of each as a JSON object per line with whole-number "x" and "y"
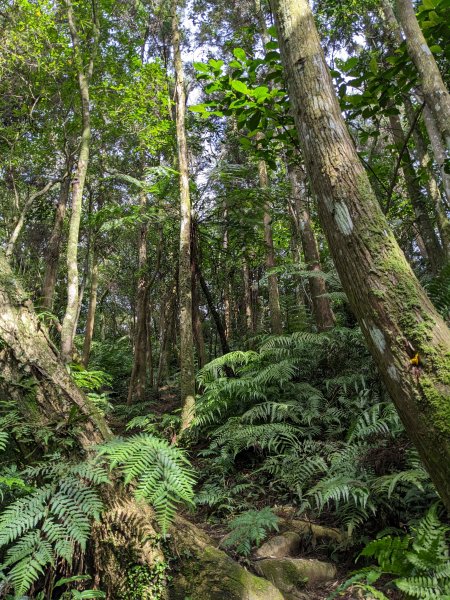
{"x": 225, "y": 299}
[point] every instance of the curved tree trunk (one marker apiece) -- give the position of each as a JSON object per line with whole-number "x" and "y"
{"x": 395, "y": 314}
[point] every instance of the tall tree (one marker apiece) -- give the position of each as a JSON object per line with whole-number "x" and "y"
{"x": 187, "y": 367}
{"x": 84, "y": 74}
{"x": 434, "y": 90}
{"x": 397, "y": 318}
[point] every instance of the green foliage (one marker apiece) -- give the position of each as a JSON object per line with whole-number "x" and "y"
{"x": 161, "y": 473}
{"x": 50, "y": 522}
{"x": 143, "y": 583}
{"x": 319, "y": 431}
{"x": 418, "y": 563}
{"x": 249, "y": 529}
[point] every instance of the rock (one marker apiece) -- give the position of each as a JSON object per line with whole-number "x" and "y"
{"x": 317, "y": 532}
{"x": 286, "y": 544}
{"x": 291, "y": 575}
{"x": 207, "y": 573}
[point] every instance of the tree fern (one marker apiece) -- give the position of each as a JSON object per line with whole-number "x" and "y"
{"x": 162, "y": 474}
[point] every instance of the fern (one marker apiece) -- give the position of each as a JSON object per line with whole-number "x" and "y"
{"x": 50, "y": 522}
{"x": 418, "y": 563}
{"x": 250, "y": 529}
{"x": 161, "y": 473}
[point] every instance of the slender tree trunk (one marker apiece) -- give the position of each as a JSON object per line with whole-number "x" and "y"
{"x": 276, "y": 323}
{"x": 248, "y": 298}
{"x": 165, "y": 332}
{"x": 187, "y": 368}
{"x": 434, "y": 134}
{"x": 433, "y": 87}
{"x": 438, "y": 148}
{"x": 150, "y": 367}
{"x": 227, "y": 284}
{"x": 54, "y": 245}
{"x": 395, "y": 314}
{"x": 434, "y": 194}
{"x": 198, "y": 327}
{"x": 21, "y": 220}
{"x": 90, "y": 321}
{"x": 138, "y": 381}
{"x": 70, "y": 317}
{"x": 214, "y": 312}
{"x": 434, "y": 250}
{"x": 323, "y": 313}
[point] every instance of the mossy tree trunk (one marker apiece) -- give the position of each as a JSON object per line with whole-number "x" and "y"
{"x": 92, "y": 309}
{"x": 394, "y": 312}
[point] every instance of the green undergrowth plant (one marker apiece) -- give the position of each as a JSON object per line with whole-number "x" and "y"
{"x": 249, "y": 529}
{"x": 50, "y": 522}
{"x": 161, "y": 473}
{"x": 417, "y": 563}
{"x": 303, "y": 419}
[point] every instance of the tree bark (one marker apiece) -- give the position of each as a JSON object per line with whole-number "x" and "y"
{"x": 438, "y": 148}
{"x": 248, "y": 298}
{"x": 126, "y": 527}
{"x": 433, "y": 87}
{"x": 54, "y": 245}
{"x": 322, "y": 311}
{"x": 84, "y": 76}
{"x": 436, "y": 141}
{"x": 23, "y": 213}
{"x": 138, "y": 380}
{"x": 187, "y": 368}
{"x": 276, "y": 323}
{"x": 90, "y": 321}
{"x": 435, "y": 252}
{"x": 395, "y": 315}
{"x": 214, "y": 313}
{"x": 434, "y": 194}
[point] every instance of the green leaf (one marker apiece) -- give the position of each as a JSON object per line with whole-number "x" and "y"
{"x": 240, "y": 86}
{"x": 240, "y": 54}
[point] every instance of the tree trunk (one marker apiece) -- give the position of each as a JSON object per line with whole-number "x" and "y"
{"x": 438, "y": 148}
{"x": 214, "y": 313}
{"x": 70, "y": 317}
{"x": 437, "y": 144}
{"x": 165, "y": 332}
{"x": 322, "y": 311}
{"x": 248, "y": 299}
{"x": 54, "y": 245}
{"x": 434, "y": 194}
{"x": 198, "y": 327}
{"x": 126, "y": 527}
{"x": 433, "y": 87}
{"x": 434, "y": 250}
{"x": 187, "y": 368}
{"x": 395, "y": 315}
{"x": 276, "y": 324}
{"x": 21, "y": 220}
{"x": 90, "y": 321}
{"x": 138, "y": 380}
